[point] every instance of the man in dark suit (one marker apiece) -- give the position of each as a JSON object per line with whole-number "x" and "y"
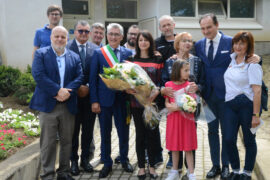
{"x": 58, "y": 74}
{"x": 85, "y": 118}
{"x": 214, "y": 50}
{"x": 110, "y": 103}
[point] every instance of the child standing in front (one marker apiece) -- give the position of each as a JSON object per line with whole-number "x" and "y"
{"x": 181, "y": 131}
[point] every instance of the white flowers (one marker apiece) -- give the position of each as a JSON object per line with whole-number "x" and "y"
{"x": 17, "y": 119}
{"x": 186, "y": 103}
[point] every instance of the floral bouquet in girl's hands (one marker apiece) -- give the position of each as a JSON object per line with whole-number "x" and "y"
{"x": 187, "y": 103}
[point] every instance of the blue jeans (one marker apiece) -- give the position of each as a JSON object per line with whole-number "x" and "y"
{"x": 217, "y": 106}
{"x": 238, "y": 112}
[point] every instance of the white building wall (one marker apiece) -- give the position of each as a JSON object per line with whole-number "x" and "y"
{"x": 18, "y": 21}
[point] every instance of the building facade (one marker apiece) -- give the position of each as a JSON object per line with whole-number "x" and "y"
{"x": 19, "y": 20}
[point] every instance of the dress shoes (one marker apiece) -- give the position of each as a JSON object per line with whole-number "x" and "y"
{"x": 105, "y": 171}
{"x": 153, "y": 176}
{"x": 117, "y": 159}
{"x": 74, "y": 169}
{"x": 225, "y": 173}
{"x": 215, "y": 170}
{"x": 141, "y": 177}
{"x": 245, "y": 177}
{"x": 234, "y": 176}
{"x": 65, "y": 177}
{"x": 127, "y": 167}
{"x": 87, "y": 167}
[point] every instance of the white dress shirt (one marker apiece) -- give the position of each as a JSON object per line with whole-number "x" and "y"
{"x": 215, "y": 44}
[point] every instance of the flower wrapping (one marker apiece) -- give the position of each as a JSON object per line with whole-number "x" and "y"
{"x": 127, "y": 75}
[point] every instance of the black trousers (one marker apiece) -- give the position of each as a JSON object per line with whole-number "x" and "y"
{"x": 145, "y": 139}
{"x": 85, "y": 121}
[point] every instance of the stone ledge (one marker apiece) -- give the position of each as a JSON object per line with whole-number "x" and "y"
{"x": 23, "y": 165}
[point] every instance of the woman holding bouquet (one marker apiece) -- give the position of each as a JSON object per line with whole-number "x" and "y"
{"x": 145, "y": 136}
{"x": 181, "y": 130}
{"x": 243, "y": 100}
{"x": 183, "y": 46}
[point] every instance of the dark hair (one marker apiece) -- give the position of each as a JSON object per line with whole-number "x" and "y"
{"x": 54, "y": 8}
{"x": 135, "y": 26}
{"x": 176, "y": 68}
{"x": 212, "y": 16}
{"x": 81, "y": 22}
{"x": 147, "y": 35}
{"x": 245, "y": 37}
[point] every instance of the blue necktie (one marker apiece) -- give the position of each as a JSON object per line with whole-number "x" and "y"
{"x": 211, "y": 52}
{"x": 82, "y": 55}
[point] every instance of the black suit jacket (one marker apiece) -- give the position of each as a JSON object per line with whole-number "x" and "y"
{"x": 90, "y": 47}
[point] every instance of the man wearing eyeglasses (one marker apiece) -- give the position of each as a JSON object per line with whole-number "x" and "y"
{"x": 42, "y": 36}
{"x": 132, "y": 34}
{"x": 107, "y": 102}
{"x": 85, "y": 118}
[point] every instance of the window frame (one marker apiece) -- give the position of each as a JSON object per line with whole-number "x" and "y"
{"x": 78, "y": 16}
{"x": 227, "y": 17}
{"x": 121, "y": 19}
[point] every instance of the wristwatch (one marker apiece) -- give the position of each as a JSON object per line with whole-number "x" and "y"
{"x": 256, "y": 114}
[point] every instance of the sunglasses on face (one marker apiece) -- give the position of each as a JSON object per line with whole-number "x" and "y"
{"x": 83, "y": 31}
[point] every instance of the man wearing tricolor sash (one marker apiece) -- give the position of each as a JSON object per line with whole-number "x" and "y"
{"x": 107, "y": 102}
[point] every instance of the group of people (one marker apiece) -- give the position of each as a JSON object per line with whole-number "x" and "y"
{"x": 70, "y": 94}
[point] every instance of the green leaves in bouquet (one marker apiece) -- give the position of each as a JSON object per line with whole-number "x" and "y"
{"x": 111, "y": 73}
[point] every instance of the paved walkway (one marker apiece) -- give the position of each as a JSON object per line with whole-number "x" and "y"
{"x": 203, "y": 161}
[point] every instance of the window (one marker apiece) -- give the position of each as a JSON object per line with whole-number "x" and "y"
{"x": 183, "y": 8}
{"x": 222, "y": 8}
{"x": 126, "y": 9}
{"x": 76, "y": 7}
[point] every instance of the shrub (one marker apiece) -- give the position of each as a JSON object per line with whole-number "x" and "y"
{"x": 8, "y": 77}
{"x": 26, "y": 86}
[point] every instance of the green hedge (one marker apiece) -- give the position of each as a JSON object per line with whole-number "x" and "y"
{"x": 8, "y": 77}
{"x": 13, "y": 82}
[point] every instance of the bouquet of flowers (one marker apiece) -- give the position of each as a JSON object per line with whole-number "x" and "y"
{"x": 129, "y": 75}
{"x": 186, "y": 103}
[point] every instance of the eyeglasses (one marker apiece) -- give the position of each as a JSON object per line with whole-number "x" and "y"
{"x": 186, "y": 40}
{"x": 81, "y": 31}
{"x": 133, "y": 34}
{"x": 114, "y": 34}
{"x": 55, "y": 14}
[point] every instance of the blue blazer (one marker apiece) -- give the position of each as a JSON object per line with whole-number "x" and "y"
{"x": 98, "y": 90}
{"x": 90, "y": 47}
{"x": 46, "y": 74}
{"x": 215, "y": 70}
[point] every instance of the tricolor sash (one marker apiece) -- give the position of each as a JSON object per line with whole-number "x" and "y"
{"x": 109, "y": 55}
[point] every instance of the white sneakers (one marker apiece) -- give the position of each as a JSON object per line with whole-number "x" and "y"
{"x": 173, "y": 175}
{"x": 192, "y": 176}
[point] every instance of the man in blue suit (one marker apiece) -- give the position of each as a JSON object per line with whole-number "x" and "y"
{"x": 108, "y": 102}
{"x": 58, "y": 74}
{"x": 214, "y": 50}
{"x": 85, "y": 118}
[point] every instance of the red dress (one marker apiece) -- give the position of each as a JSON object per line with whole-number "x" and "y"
{"x": 180, "y": 132}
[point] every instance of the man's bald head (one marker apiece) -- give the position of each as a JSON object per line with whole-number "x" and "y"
{"x": 59, "y": 38}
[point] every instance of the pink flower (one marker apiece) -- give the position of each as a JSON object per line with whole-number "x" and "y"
{"x": 2, "y": 144}
{"x": 24, "y": 136}
{"x": 19, "y": 139}
{"x": 3, "y": 148}
{"x": 24, "y": 142}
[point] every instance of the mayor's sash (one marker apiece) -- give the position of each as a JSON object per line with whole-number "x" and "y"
{"x": 109, "y": 55}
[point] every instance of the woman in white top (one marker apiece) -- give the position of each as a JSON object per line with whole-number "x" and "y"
{"x": 243, "y": 100}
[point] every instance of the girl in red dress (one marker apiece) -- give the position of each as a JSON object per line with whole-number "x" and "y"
{"x": 181, "y": 131}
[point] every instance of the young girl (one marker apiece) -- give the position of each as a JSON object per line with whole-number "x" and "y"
{"x": 181, "y": 132}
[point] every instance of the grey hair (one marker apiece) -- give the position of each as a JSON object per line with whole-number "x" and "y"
{"x": 81, "y": 22}
{"x": 165, "y": 17}
{"x": 115, "y": 25}
{"x": 97, "y": 25}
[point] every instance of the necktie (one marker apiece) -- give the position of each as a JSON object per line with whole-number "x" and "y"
{"x": 82, "y": 55}
{"x": 211, "y": 52}
{"x": 115, "y": 52}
